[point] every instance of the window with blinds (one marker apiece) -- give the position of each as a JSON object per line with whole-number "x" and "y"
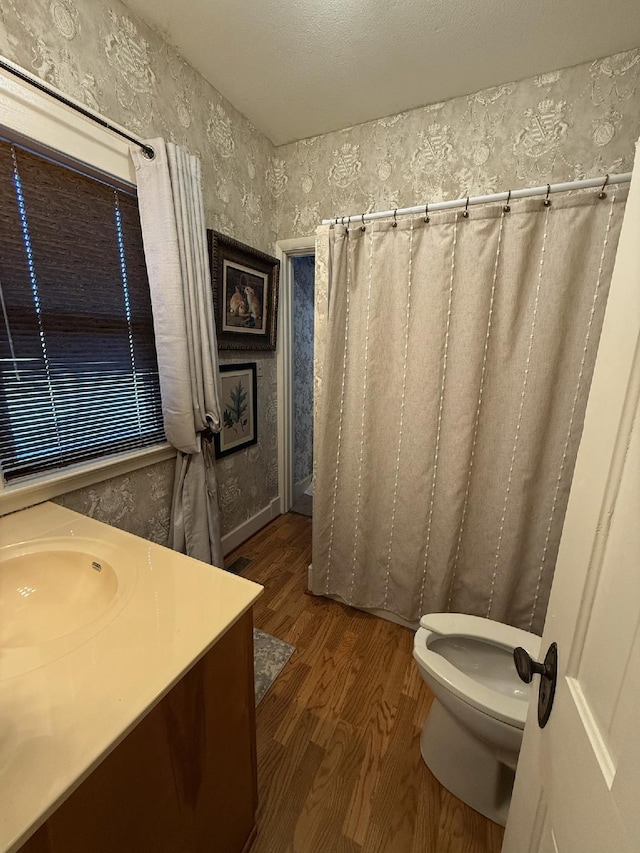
{"x": 78, "y": 369}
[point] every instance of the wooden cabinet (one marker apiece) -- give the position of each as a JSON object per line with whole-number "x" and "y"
{"x": 184, "y": 780}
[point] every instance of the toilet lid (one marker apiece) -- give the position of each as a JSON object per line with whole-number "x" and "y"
{"x": 508, "y": 709}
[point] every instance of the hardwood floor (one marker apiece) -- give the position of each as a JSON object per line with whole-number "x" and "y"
{"x": 339, "y": 765}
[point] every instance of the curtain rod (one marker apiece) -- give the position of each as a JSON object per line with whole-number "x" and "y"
{"x": 147, "y": 150}
{"x": 586, "y": 183}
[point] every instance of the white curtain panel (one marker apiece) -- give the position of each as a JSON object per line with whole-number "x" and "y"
{"x": 454, "y": 360}
{"x": 175, "y": 246}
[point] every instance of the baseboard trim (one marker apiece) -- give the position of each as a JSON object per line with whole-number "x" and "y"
{"x": 243, "y": 531}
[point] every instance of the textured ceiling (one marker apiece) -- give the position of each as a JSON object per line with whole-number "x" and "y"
{"x": 298, "y": 68}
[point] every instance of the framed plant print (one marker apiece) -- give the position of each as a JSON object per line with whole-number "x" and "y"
{"x": 239, "y": 409}
{"x": 245, "y": 294}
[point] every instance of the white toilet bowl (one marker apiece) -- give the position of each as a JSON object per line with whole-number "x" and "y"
{"x": 473, "y": 733}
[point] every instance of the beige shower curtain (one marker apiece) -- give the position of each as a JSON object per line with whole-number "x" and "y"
{"x": 453, "y": 366}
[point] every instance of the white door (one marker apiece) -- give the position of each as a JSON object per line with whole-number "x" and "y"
{"x": 578, "y": 780}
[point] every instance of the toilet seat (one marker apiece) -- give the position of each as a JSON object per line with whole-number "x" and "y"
{"x": 509, "y": 710}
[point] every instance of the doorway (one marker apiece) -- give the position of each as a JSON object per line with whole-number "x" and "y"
{"x": 295, "y": 373}
{"x": 303, "y": 268}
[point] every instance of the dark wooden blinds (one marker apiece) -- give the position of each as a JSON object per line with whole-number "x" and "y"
{"x": 78, "y": 369}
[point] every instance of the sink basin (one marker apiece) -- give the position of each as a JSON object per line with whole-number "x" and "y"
{"x": 50, "y": 588}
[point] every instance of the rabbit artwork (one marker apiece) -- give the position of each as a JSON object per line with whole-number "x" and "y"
{"x": 238, "y": 304}
{"x": 255, "y": 306}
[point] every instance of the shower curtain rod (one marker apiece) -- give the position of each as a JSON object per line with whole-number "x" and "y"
{"x": 18, "y": 72}
{"x": 586, "y": 183}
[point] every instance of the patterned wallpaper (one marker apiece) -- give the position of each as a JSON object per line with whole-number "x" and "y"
{"x": 139, "y": 502}
{"x": 101, "y": 54}
{"x": 568, "y": 124}
{"x": 580, "y": 121}
{"x": 303, "y": 275}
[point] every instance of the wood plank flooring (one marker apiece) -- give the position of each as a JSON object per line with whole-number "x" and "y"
{"x": 339, "y": 766}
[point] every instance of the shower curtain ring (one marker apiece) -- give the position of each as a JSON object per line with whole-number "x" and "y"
{"x": 426, "y": 213}
{"x": 348, "y": 223}
{"x": 465, "y": 212}
{"x": 507, "y": 206}
{"x": 602, "y": 193}
{"x": 547, "y": 200}
{"x": 363, "y": 227}
{"x": 395, "y": 221}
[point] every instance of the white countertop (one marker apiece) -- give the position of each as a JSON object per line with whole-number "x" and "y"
{"x": 63, "y": 709}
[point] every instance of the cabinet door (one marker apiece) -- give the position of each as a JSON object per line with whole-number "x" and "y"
{"x": 184, "y": 780}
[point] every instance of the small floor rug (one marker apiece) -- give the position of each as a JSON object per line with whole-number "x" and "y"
{"x": 269, "y": 657}
{"x": 304, "y": 505}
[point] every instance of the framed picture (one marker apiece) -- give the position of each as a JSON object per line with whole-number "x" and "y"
{"x": 245, "y": 294}
{"x": 239, "y": 410}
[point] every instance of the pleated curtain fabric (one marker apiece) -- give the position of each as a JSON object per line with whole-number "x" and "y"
{"x": 175, "y": 245}
{"x": 454, "y": 360}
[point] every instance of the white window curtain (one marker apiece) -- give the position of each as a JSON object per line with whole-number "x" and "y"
{"x": 175, "y": 245}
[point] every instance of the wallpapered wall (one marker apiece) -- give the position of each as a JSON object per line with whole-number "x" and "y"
{"x": 303, "y": 275}
{"x": 101, "y": 54}
{"x": 565, "y": 124}
{"x": 578, "y": 122}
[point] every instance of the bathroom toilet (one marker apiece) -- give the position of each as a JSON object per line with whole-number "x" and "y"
{"x": 473, "y": 733}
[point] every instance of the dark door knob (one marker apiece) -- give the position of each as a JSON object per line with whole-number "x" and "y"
{"x": 548, "y": 672}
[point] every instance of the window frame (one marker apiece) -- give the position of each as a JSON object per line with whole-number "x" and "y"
{"x": 53, "y": 130}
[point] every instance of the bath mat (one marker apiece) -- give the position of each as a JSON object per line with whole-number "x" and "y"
{"x": 304, "y": 505}
{"x": 269, "y": 657}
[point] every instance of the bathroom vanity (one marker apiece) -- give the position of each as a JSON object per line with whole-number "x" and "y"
{"x": 128, "y": 722}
